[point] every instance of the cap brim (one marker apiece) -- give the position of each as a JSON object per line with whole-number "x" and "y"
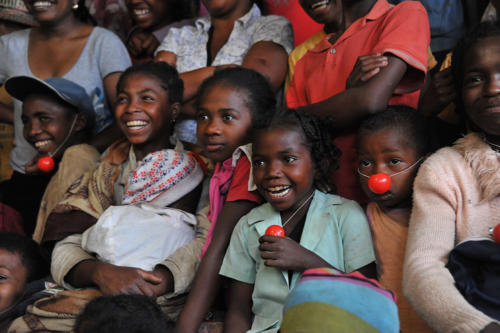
{"x": 21, "y": 86}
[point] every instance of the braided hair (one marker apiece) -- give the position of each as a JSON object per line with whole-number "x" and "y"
{"x": 317, "y": 138}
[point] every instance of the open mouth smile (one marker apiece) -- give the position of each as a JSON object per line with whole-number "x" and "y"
{"x": 139, "y": 13}
{"x": 42, "y": 5}
{"x": 320, "y": 4}
{"x": 136, "y": 124}
{"x": 276, "y": 192}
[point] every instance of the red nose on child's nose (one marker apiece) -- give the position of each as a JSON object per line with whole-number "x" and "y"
{"x": 379, "y": 183}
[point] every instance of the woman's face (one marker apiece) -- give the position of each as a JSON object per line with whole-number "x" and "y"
{"x": 481, "y": 85}
{"x": 50, "y": 11}
{"x": 148, "y": 13}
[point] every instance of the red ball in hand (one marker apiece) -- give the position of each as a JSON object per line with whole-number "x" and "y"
{"x": 275, "y": 230}
{"x": 496, "y": 233}
{"x": 46, "y": 164}
{"x": 379, "y": 183}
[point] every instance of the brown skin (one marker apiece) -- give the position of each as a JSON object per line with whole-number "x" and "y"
{"x": 361, "y": 100}
{"x": 265, "y": 57}
{"x": 439, "y": 91}
{"x": 13, "y": 278}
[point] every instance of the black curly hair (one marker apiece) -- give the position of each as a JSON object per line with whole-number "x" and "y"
{"x": 317, "y": 137}
{"x": 481, "y": 31}
{"x": 122, "y": 313}
{"x": 166, "y": 74}
{"x": 404, "y": 118}
{"x": 259, "y": 96}
{"x": 28, "y": 251}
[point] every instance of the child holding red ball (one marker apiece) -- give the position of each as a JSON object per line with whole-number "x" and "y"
{"x": 391, "y": 146}
{"x": 291, "y": 157}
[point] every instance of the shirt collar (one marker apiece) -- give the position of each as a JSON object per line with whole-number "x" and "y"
{"x": 379, "y": 9}
{"x": 204, "y": 23}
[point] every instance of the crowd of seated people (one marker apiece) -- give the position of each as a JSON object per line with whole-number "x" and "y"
{"x": 202, "y": 170}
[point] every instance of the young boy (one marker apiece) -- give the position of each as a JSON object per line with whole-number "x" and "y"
{"x": 58, "y": 117}
{"x": 393, "y": 142}
{"x": 21, "y": 266}
{"x": 325, "y": 70}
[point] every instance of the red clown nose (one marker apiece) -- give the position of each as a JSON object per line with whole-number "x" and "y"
{"x": 379, "y": 183}
{"x": 46, "y": 164}
{"x": 275, "y": 230}
{"x": 496, "y": 233}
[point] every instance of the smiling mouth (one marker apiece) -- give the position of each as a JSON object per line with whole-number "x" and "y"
{"x": 136, "y": 124}
{"x": 141, "y": 12}
{"x": 41, "y": 144}
{"x": 320, "y": 4}
{"x": 41, "y": 4}
{"x": 276, "y": 192}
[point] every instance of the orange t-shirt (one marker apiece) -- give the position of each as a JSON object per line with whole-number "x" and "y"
{"x": 321, "y": 70}
{"x": 389, "y": 242}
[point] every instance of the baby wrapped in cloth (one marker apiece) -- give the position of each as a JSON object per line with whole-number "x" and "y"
{"x": 144, "y": 231}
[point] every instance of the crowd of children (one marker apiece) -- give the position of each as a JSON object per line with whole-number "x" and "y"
{"x": 211, "y": 187}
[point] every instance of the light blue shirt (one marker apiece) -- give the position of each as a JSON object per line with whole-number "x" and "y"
{"x": 336, "y": 229}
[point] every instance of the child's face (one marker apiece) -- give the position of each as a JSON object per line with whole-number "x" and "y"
{"x": 143, "y": 112}
{"x": 147, "y": 13}
{"x": 282, "y": 168}
{"x": 387, "y": 150}
{"x": 47, "y": 122}
{"x": 481, "y": 87}
{"x": 13, "y": 276}
{"x": 323, "y": 11}
{"x": 223, "y": 121}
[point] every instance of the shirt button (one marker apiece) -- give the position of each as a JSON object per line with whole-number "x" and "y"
{"x": 332, "y": 51}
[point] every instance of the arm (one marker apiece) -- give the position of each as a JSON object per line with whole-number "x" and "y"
{"x": 427, "y": 283}
{"x": 349, "y": 106}
{"x": 206, "y": 283}
{"x": 239, "y": 314}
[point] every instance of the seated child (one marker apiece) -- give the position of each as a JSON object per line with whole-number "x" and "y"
{"x": 231, "y": 104}
{"x": 326, "y": 300}
{"x": 457, "y": 190}
{"x": 292, "y": 157}
{"x": 58, "y": 118}
{"x": 233, "y": 34}
{"x": 121, "y": 313}
{"x": 135, "y": 169}
{"x": 21, "y": 268}
{"x": 354, "y": 29}
{"x": 394, "y": 142}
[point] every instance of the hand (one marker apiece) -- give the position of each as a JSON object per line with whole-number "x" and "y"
{"x": 142, "y": 44}
{"x": 31, "y": 167}
{"x": 286, "y": 254}
{"x": 439, "y": 93}
{"x": 113, "y": 280}
{"x": 366, "y": 67}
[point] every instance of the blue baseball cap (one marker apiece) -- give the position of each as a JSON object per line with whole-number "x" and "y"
{"x": 74, "y": 94}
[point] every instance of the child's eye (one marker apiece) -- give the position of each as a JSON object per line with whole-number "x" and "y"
{"x": 121, "y": 100}
{"x": 364, "y": 163}
{"x": 395, "y": 161}
{"x": 289, "y": 159}
{"x": 45, "y": 119}
{"x": 201, "y": 116}
{"x": 227, "y": 117}
{"x": 258, "y": 163}
{"x": 472, "y": 80}
{"x": 148, "y": 98}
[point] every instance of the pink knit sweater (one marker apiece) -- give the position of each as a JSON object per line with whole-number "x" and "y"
{"x": 456, "y": 197}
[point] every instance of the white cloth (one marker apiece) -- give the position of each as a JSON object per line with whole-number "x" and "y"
{"x": 140, "y": 236}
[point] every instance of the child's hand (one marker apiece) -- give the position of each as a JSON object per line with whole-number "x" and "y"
{"x": 31, "y": 167}
{"x": 142, "y": 43}
{"x": 366, "y": 67}
{"x": 439, "y": 93}
{"x": 286, "y": 254}
{"x": 113, "y": 280}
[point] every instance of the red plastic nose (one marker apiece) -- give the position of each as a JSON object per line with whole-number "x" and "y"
{"x": 275, "y": 230}
{"x": 496, "y": 233}
{"x": 379, "y": 183}
{"x": 46, "y": 164}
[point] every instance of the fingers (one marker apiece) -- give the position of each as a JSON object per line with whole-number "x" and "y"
{"x": 150, "y": 44}
{"x": 149, "y": 277}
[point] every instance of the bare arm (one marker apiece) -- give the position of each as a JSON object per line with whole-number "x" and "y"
{"x": 349, "y": 106}
{"x": 239, "y": 314}
{"x": 206, "y": 283}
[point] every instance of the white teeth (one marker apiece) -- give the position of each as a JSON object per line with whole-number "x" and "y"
{"x": 320, "y": 4}
{"x": 39, "y": 144}
{"x": 141, "y": 12}
{"x": 42, "y": 4}
{"x": 136, "y": 124}
{"x": 278, "y": 191}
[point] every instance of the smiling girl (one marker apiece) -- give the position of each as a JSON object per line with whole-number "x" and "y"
{"x": 291, "y": 158}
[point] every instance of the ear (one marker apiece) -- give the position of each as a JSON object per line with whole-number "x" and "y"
{"x": 175, "y": 110}
{"x": 81, "y": 122}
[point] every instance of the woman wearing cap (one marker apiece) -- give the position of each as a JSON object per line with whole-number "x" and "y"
{"x": 61, "y": 46}
{"x": 58, "y": 118}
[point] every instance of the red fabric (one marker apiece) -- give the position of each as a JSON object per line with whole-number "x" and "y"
{"x": 239, "y": 185}
{"x": 10, "y": 220}
{"x": 303, "y": 26}
{"x": 401, "y": 30}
